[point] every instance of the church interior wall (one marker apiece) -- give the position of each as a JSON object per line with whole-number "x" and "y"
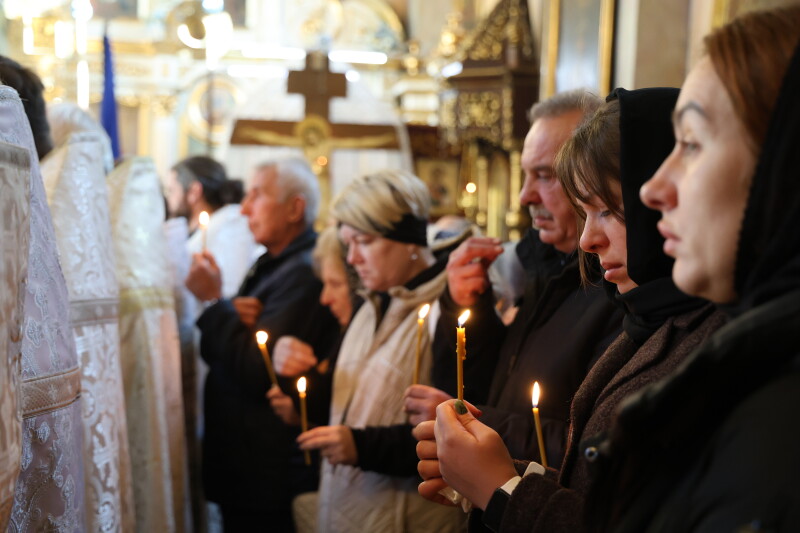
{"x": 157, "y": 77}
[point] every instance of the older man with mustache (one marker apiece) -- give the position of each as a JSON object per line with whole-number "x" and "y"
{"x": 561, "y": 327}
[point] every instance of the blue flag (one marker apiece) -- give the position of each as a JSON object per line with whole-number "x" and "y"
{"x": 108, "y": 108}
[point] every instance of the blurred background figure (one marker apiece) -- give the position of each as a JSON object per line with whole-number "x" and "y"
{"x": 194, "y": 185}
{"x": 294, "y": 358}
{"x": 151, "y": 364}
{"x": 368, "y": 482}
{"x": 50, "y": 486}
{"x": 75, "y": 180}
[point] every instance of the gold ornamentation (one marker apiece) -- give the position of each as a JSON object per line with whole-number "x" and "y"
{"x": 507, "y": 23}
{"x": 479, "y": 109}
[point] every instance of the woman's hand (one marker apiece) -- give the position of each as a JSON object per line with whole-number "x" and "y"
{"x": 292, "y": 357}
{"x": 283, "y": 406}
{"x": 428, "y": 466}
{"x": 420, "y": 403}
{"x": 472, "y": 457}
{"x": 335, "y": 443}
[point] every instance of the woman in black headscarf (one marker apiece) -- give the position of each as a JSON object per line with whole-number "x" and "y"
{"x": 714, "y": 446}
{"x": 601, "y": 169}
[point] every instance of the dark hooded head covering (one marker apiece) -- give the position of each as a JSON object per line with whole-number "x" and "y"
{"x": 660, "y": 429}
{"x": 646, "y": 139}
{"x": 768, "y": 257}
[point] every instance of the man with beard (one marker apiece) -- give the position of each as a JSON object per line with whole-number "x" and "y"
{"x": 561, "y": 327}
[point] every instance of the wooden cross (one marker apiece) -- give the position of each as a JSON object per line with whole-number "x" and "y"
{"x": 315, "y": 134}
{"x": 317, "y": 84}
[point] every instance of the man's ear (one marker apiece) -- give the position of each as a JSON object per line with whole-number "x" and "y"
{"x": 297, "y": 208}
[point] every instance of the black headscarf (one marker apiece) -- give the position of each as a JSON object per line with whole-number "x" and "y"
{"x": 646, "y": 139}
{"x": 662, "y": 428}
{"x": 768, "y": 257}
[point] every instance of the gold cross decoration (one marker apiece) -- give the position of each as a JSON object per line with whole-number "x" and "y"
{"x": 315, "y": 134}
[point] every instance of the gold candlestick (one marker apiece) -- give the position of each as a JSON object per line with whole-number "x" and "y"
{"x": 202, "y": 220}
{"x": 261, "y": 339}
{"x": 461, "y": 352}
{"x": 423, "y": 312}
{"x": 539, "y": 438}
{"x": 301, "y": 390}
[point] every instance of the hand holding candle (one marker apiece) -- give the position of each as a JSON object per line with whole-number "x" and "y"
{"x": 261, "y": 339}
{"x": 301, "y": 390}
{"x": 540, "y": 439}
{"x": 461, "y": 352}
{"x": 423, "y": 312}
{"x": 202, "y": 220}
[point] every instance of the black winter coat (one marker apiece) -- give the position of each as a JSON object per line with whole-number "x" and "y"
{"x": 250, "y": 459}
{"x": 561, "y": 328}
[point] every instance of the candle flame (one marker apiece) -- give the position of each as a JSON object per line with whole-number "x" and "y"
{"x": 463, "y": 318}
{"x": 203, "y": 219}
{"x": 301, "y": 384}
{"x": 423, "y": 311}
{"x": 535, "y": 394}
{"x": 261, "y": 337}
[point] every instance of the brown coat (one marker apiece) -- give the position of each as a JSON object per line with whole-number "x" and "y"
{"x": 554, "y": 502}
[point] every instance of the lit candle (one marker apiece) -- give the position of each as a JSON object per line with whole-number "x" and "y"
{"x": 202, "y": 220}
{"x": 301, "y": 390}
{"x": 261, "y": 339}
{"x": 535, "y": 401}
{"x": 423, "y": 312}
{"x": 461, "y": 352}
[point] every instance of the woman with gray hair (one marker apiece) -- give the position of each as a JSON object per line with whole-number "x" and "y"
{"x": 367, "y": 483}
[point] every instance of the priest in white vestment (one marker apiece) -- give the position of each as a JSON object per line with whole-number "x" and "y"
{"x": 49, "y": 494}
{"x": 74, "y": 178}
{"x": 15, "y": 172}
{"x": 151, "y": 366}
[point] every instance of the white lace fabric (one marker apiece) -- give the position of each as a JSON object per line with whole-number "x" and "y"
{"x": 150, "y": 351}
{"x": 14, "y": 235}
{"x": 75, "y": 182}
{"x": 49, "y": 493}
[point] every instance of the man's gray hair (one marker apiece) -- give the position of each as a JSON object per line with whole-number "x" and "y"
{"x": 575, "y": 100}
{"x": 294, "y": 177}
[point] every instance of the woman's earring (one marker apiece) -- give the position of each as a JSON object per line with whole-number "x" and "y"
{"x": 414, "y": 255}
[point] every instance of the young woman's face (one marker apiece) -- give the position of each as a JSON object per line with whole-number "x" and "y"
{"x": 380, "y": 263}
{"x": 605, "y": 235}
{"x": 701, "y": 189}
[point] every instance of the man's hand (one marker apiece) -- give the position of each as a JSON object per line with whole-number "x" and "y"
{"x": 283, "y": 406}
{"x": 204, "y": 279}
{"x": 335, "y": 443}
{"x": 467, "y": 269}
{"x": 249, "y": 309}
{"x": 292, "y": 357}
{"x": 420, "y": 403}
{"x": 472, "y": 457}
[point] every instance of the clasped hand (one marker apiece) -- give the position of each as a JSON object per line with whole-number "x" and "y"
{"x": 461, "y": 452}
{"x": 335, "y": 443}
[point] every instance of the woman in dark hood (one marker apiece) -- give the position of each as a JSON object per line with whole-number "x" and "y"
{"x": 601, "y": 169}
{"x": 714, "y": 446}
